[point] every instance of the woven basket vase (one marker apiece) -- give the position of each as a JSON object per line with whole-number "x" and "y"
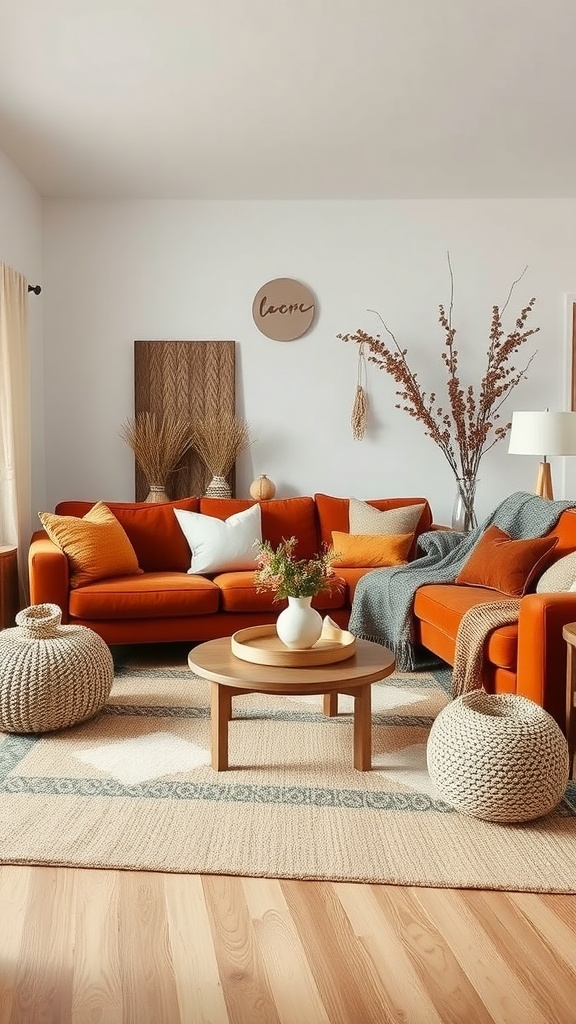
{"x": 499, "y": 757}
{"x": 51, "y": 676}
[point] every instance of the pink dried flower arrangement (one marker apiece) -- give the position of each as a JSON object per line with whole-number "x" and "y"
{"x": 287, "y": 576}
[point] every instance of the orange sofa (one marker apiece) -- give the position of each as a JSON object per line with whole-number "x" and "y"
{"x": 165, "y": 603}
{"x": 527, "y": 657}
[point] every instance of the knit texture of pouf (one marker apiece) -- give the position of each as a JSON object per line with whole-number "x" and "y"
{"x": 51, "y": 676}
{"x": 499, "y": 757}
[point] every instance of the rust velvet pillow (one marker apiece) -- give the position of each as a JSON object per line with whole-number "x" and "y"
{"x": 96, "y": 546}
{"x": 499, "y": 563}
{"x": 369, "y": 550}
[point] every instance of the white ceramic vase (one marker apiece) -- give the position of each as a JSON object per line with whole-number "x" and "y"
{"x": 299, "y": 626}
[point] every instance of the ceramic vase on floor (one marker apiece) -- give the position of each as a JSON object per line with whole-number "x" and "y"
{"x": 299, "y": 626}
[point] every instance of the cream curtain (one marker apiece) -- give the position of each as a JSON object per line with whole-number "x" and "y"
{"x": 15, "y": 433}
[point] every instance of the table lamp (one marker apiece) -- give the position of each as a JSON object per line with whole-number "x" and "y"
{"x": 543, "y": 433}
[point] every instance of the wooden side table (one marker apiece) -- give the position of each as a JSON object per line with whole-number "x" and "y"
{"x": 9, "y": 601}
{"x": 569, "y": 634}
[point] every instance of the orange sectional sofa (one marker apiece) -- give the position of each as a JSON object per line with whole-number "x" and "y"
{"x": 165, "y": 603}
{"x": 527, "y": 657}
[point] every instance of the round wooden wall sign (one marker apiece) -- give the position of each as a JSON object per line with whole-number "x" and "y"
{"x": 283, "y": 309}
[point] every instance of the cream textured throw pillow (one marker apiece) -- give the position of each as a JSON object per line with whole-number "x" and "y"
{"x": 365, "y": 519}
{"x": 221, "y": 545}
{"x": 561, "y": 576}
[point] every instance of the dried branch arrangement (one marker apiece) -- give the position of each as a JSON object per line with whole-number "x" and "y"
{"x": 159, "y": 443}
{"x": 219, "y": 440}
{"x": 467, "y": 426}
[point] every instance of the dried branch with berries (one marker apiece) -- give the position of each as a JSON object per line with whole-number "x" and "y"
{"x": 467, "y": 425}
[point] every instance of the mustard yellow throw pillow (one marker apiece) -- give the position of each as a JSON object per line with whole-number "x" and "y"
{"x": 96, "y": 546}
{"x": 367, "y": 550}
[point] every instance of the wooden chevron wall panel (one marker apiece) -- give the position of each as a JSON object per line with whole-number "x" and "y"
{"x": 184, "y": 378}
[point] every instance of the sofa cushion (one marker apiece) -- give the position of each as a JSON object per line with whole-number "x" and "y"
{"x": 95, "y": 545}
{"x": 281, "y": 518}
{"x": 444, "y": 604}
{"x": 238, "y": 594}
{"x": 334, "y": 513}
{"x": 365, "y": 519}
{"x": 350, "y": 579}
{"x": 221, "y": 545}
{"x": 151, "y": 528}
{"x": 501, "y": 563}
{"x": 565, "y": 531}
{"x": 155, "y": 595}
{"x": 560, "y": 576}
{"x": 357, "y": 550}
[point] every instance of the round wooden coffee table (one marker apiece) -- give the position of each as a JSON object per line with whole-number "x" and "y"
{"x": 229, "y": 676}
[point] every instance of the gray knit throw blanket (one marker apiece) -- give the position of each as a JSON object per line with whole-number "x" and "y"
{"x": 382, "y": 605}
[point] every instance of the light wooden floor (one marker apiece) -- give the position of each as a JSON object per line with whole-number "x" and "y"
{"x": 109, "y": 947}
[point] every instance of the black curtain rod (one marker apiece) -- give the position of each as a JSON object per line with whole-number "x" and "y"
{"x": 34, "y": 288}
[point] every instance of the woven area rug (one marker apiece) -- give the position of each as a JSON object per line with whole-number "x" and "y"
{"x": 133, "y": 788}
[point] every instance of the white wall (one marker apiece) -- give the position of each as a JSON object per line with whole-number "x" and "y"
{"x": 116, "y": 272}
{"x": 21, "y": 248}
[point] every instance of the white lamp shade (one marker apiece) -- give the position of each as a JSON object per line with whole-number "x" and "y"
{"x": 543, "y": 433}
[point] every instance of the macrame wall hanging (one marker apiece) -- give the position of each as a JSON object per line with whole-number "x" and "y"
{"x": 360, "y": 408}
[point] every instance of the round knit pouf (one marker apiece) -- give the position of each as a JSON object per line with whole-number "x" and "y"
{"x": 499, "y": 757}
{"x": 51, "y": 676}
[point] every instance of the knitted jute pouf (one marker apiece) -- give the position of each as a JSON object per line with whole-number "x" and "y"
{"x": 51, "y": 676}
{"x": 499, "y": 757}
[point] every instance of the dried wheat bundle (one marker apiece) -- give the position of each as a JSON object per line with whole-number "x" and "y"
{"x": 159, "y": 443}
{"x": 219, "y": 439}
{"x": 360, "y": 408}
{"x": 359, "y": 414}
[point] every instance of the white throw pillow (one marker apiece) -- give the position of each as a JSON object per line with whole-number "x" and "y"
{"x": 366, "y": 519}
{"x": 219, "y": 545}
{"x": 560, "y": 576}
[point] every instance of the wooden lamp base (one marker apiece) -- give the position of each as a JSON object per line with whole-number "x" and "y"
{"x": 544, "y": 482}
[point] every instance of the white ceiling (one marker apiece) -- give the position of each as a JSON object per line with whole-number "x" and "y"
{"x": 281, "y": 99}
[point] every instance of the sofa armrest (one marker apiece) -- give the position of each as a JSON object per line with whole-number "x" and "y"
{"x": 542, "y": 650}
{"x": 49, "y": 577}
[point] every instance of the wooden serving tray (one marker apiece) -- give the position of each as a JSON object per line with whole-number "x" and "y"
{"x": 262, "y": 646}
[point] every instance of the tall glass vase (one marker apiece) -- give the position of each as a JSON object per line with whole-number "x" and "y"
{"x": 463, "y": 514}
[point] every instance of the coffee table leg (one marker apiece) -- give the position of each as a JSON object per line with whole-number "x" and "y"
{"x": 363, "y": 728}
{"x": 220, "y": 713}
{"x": 331, "y": 704}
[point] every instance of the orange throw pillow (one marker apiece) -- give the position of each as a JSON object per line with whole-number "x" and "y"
{"x": 96, "y": 546}
{"x": 500, "y": 563}
{"x": 370, "y": 551}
